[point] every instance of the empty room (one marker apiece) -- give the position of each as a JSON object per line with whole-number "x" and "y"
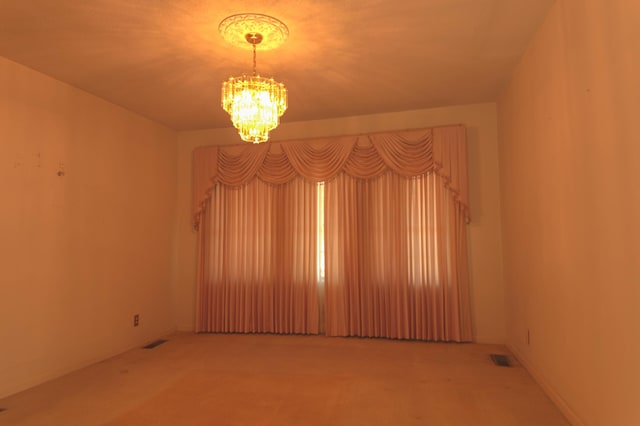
{"x": 297, "y": 212}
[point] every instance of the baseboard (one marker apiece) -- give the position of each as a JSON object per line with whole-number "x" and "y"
{"x": 484, "y": 340}
{"x": 562, "y": 405}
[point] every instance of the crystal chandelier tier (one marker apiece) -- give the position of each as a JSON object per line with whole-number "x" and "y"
{"x": 254, "y": 103}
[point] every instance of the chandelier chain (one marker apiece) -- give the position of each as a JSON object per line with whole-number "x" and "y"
{"x": 254, "y": 60}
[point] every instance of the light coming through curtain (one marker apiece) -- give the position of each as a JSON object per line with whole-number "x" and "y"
{"x": 259, "y": 260}
{"x": 392, "y": 265}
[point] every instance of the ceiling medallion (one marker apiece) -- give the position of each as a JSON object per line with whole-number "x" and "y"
{"x": 235, "y": 28}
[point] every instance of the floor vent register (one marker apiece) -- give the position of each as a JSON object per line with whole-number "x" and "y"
{"x": 154, "y": 344}
{"x": 500, "y": 360}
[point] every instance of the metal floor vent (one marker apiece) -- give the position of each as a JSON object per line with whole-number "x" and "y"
{"x": 154, "y": 344}
{"x": 500, "y": 360}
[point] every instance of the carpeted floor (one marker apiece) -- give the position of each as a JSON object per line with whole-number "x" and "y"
{"x": 290, "y": 380}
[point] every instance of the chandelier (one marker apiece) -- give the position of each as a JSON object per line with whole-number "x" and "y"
{"x": 254, "y": 103}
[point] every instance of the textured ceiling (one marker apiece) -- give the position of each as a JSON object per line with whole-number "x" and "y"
{"x": 165, "y": 59}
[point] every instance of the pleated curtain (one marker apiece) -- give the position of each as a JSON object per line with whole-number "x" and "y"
{"x": 395, "y": 213}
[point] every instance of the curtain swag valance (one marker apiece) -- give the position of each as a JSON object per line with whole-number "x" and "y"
{"x": 408, "y": 153}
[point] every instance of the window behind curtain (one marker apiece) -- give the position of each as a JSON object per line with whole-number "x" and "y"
{"x": 395, "y": 213}
{"x": 391, "y": 256}
{"x": 261, "y": 259}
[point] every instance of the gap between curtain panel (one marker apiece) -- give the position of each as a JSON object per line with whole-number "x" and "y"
{"x": 402, "y": 192}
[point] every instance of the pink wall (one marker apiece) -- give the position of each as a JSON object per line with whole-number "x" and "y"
{"x": 81, "y": 253}
{"x": 570, "y": 180}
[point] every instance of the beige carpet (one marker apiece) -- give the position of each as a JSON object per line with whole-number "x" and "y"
{"x": 255, "y": 399}
{"x": 290, "y": 380}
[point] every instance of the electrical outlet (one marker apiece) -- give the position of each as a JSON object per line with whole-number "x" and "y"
{"x": 136, "y": 320}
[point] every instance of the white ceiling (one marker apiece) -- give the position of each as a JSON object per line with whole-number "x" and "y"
{"x": 165, "y": 59}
